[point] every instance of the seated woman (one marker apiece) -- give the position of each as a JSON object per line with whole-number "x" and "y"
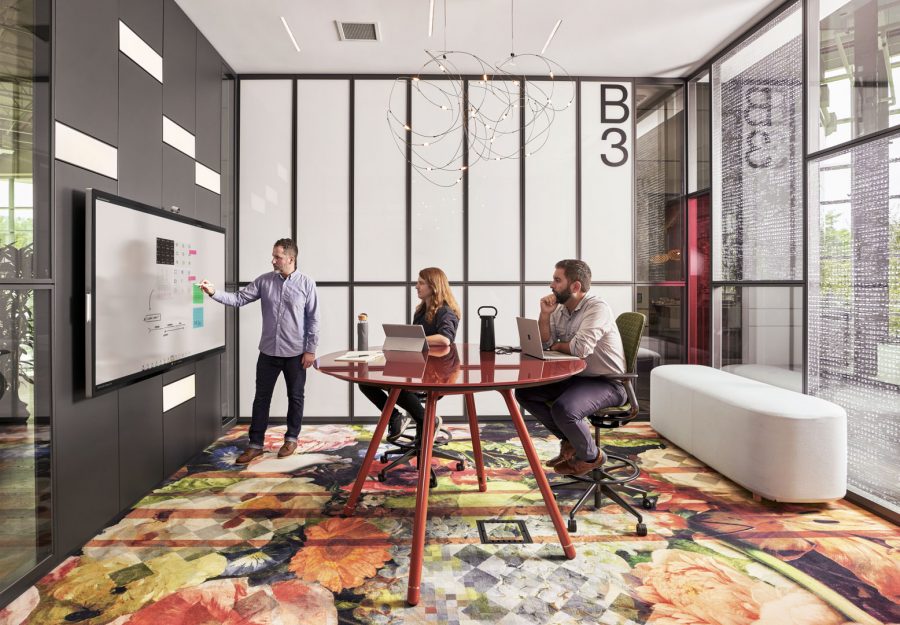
{"x": 439, "y": 314}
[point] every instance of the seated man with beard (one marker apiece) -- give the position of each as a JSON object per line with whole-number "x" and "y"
{"x": 576, "y": 322}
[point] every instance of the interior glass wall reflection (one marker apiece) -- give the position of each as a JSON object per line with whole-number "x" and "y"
{"x": 24, "y": 144}
{"x": 854, "y": 306}
{"x": 662, "y": 342}
{"x": 659, "y": 177}
{"x": 759, "y": 331}
{"x": 854, "y": 52}
{"x": 698, "y": 133}
{"x": 758, "y": 155}
{"x": 25, "y": 524}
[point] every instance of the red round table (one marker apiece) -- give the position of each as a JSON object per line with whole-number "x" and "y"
{"x": 454, "y": 370}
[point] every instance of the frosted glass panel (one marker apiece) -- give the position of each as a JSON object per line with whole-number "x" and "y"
{"x": 506, "y": 300}
{"x": 379, "y": 210}
{"x": 265, "y": 176}
{"x": 619, "y": 297}
{"x": 494, "y": 211}
{"x": 533, "y": 295}
{"x": 854, "y": 306}
{"x": 327, "y": 396}
{"x": 757, "y": 128}
{"x": 607, "y": 166}
{"x": 437, "y": 232}
{"x": 384, "y": 304}
{"x": 550, "y": 198}
{"x": 323, "y": 163}
{"x": 249, "y": 329}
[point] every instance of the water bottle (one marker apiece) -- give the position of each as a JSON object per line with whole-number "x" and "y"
{"x": 362, "y": 332}
{"x": 487, "y": 330}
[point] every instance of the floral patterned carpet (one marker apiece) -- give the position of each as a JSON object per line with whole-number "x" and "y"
{"x": 265, "y": 544}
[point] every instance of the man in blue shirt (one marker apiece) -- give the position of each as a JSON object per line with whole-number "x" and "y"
{"x": 290, "y": 336}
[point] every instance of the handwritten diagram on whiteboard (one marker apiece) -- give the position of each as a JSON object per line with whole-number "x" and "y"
{"x": 148, "y": 311}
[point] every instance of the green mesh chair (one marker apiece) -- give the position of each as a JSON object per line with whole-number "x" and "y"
{"x": 617, "y": 471}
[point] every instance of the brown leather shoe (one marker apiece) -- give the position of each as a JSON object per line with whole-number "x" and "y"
{"x": 249, "y": 454}
{"x": 574, "y": 466}
{"x": 566, "y": 451}
{"x": 287, "y": 449}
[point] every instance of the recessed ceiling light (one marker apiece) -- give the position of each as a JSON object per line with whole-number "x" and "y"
{"x": 290, "y": 34}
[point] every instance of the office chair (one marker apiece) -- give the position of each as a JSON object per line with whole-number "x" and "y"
{"x": 406, "y": 447}
{"x": 617, "y": 471}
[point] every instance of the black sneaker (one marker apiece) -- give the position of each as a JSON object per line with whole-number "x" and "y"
{"x": 397, "y": 425}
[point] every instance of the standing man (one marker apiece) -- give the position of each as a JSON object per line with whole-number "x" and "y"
{"x": 290, "y": 335}
{"x": 576, "y": 322}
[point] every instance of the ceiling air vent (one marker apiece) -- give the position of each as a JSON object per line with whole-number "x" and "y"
{"x": 358, "y": 31}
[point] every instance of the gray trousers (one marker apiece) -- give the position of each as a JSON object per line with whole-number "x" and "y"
{"x": 572, "y": 401}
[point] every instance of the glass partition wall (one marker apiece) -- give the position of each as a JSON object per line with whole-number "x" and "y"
{"x": 25, "y": 291}
{"x": 757, "y": 203}
{"x": 659, "y": 202}
{"x": 854, "y": 231}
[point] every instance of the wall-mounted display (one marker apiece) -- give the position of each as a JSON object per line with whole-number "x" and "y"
{"x": 144, "y": 309}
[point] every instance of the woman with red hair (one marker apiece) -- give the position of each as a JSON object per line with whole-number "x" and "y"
{"x": 438, "y": 313}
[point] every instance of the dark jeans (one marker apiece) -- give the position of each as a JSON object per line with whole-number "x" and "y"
{"x": 267, "y": 370}
{"x": 572, "y": 401}
{"x": 406, "y": 400}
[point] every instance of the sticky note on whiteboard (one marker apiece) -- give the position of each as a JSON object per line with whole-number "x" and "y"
{"x": 198, "y": 317}
{"x": 198, "y": 295}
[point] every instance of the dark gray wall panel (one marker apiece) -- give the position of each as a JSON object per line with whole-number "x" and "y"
{"x": 182, "y": 371}
{"x": 140, "y": 439}
{"x": 209, "y": 104}
{"x": 86, "y": 73}
{"x": 85, "y": 431}
{"x": 140, "y": 134}
{"x": 178, "y": 181}
{"x": 208, "y": 401}
{"x": 145, "y": 17}
{"x": 179, "y": 66}
{"x": 209, "y": 206}
{"x": 179, "y": 436}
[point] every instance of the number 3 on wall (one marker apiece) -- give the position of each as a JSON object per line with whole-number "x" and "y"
{"x": 620, "y": 146}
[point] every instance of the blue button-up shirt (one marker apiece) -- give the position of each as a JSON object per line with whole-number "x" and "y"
{"x": 290, "y": 312}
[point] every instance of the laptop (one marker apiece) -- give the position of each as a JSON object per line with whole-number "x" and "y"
{"x": 404, "y": 338}
{"x": 530, "y": 340}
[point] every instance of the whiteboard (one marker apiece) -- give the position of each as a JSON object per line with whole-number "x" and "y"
{"x": 144, "y": 311}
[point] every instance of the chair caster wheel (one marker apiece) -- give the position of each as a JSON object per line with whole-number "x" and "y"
{"x": 382, "y": 477}
{"x": 433, "y": 482}
{"x": 573, "y": 526}
{"x": 641, "y": 529}
{"x": 460, "y": 466}
{"x": 649, "y": 503}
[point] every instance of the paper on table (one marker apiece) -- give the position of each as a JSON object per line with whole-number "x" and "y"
{"x": 364, "y": 356}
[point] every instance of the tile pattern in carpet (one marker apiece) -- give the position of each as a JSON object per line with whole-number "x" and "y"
{"x": 266, "y": 545}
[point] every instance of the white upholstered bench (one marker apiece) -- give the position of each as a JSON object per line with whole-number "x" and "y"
{"x": 779, "y": 444}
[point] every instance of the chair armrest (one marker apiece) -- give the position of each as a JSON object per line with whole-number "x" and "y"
{"x": 622, "y": 376}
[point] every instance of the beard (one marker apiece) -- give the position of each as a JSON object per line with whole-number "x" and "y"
{"x": 563, "y": 296}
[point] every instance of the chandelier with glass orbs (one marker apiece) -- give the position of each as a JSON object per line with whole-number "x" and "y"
{"x": 477, "y": 105}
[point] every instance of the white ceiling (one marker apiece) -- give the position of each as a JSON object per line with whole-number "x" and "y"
{"x": 597, "y": 37}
